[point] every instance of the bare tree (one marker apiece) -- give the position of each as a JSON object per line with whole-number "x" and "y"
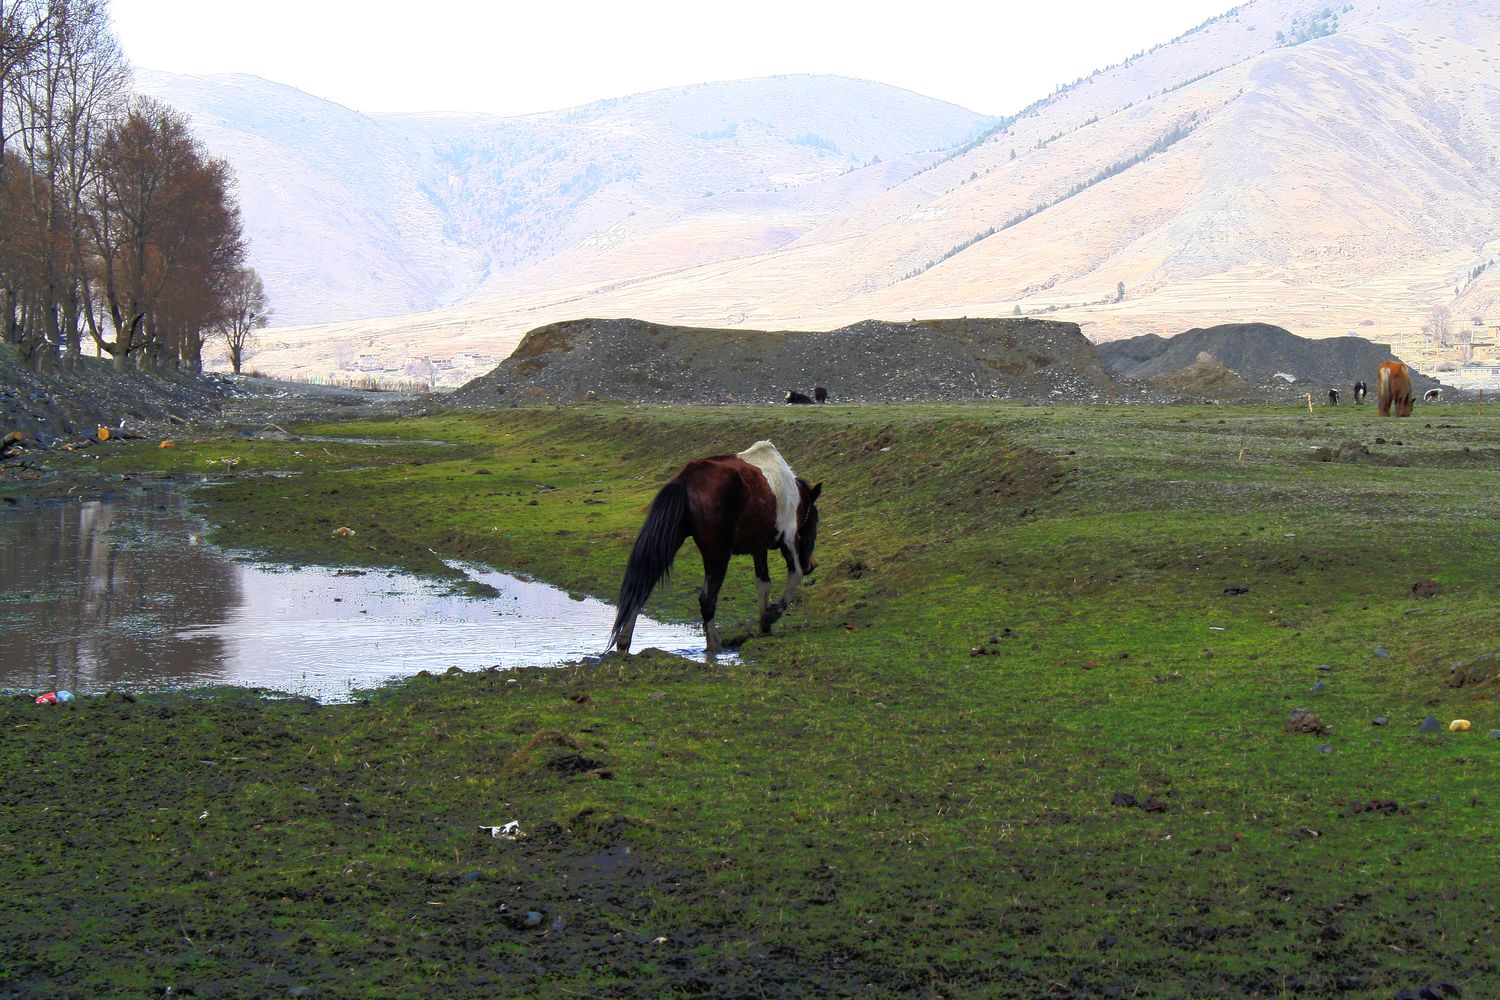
{"x": 167, "y": 234}
{"x": 246, "y": 309}
{"x": 77, "y": 78}
{"x": 23, "y": 27}
{"x": 1439, "y": 325}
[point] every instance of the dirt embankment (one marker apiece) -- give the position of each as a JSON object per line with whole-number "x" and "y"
{"x": 869, "y": 362}
{"x": 55, "y": 408}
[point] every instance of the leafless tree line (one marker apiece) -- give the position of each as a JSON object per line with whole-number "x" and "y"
{"x": 115, "y": 224}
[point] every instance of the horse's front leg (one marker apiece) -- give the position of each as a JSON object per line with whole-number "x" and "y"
{"x": 715, "y": 565}
{"x": 794, "y": 576}
{"x": 763, "y": 591}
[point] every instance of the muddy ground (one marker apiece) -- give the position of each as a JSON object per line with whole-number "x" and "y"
{"x": 1030, "y": 732}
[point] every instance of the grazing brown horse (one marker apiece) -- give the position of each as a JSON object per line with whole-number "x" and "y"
{"x": 740, "y": 504}
{"x": 1393, "y": 388}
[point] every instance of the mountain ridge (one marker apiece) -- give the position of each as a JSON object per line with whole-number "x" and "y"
{"x": 1339, "y": 177}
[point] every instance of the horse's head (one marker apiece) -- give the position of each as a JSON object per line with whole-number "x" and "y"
{"x": 807, "y": 524}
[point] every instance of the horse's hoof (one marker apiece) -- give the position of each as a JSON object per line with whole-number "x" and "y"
{"x": 771, "y": 616}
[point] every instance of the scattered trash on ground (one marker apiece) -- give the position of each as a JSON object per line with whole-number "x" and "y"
{"x": 1459, "y": 726}
{"x": 508, "y": 831}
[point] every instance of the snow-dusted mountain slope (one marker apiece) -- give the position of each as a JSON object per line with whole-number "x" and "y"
{"x": 354, "y": 216}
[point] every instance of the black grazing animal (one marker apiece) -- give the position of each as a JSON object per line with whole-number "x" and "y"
{"x": 1333, "y": 397}
{"x": 1360, "y": 390}
{"x": 798, "y": 398}
{"x": 820, "y": 394}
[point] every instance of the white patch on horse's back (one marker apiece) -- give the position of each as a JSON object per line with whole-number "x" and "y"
{"x": 783, "y": 482}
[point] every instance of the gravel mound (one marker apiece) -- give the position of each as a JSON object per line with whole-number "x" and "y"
{"x": 871, "y": 361}
{"x": 1210, "y": 378}
{"x": 1263, "y": 354}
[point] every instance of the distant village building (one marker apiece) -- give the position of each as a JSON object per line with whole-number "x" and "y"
{"x": 1473, "y": 376}
{"x": 369, "y": 362}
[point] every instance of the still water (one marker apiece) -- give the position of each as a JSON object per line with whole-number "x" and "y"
{"x": 126, "y": 595}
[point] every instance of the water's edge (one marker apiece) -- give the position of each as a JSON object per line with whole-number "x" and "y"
{"x": 124, "y": 593}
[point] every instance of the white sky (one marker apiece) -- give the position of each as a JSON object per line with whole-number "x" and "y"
{"x": 498, "y": 56}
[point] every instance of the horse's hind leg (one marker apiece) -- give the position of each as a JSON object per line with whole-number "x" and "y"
{"x": 763, "y": 591}
{"x": 715, "y": 565}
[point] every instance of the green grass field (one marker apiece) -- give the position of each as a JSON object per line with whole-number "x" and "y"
{"x": 863, "y": 805}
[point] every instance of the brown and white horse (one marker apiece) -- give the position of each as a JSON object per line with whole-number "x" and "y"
{"x": 729, "y": 505}
{"x": 1393, "y": 388}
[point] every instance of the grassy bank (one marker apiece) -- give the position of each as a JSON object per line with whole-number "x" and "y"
{"x": 863, "y": 805}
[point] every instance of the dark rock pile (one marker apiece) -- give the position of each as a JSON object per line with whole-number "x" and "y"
{"x": 868, "y": 362}
{"x": 1262, "y": 354}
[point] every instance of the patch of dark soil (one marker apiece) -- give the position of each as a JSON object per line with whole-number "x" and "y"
{"x": 1487, "y": 458}
{"x": 556, "y": 753}
{"x": 1305, "y": 721}
{"x": 1426, "y": 588}
{"x": 1382, "y": 807}
{"x": 1357, "y": 452}
{"x": 870, "y": 361}
{"x": 1436, "y": 990}
{"x": 1480, "y": 670}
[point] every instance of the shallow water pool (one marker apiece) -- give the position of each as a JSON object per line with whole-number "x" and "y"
{"x": 125, "y": 594}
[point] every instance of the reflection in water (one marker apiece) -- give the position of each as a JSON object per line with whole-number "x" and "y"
{"x": 96, "y": 596}
{"x": 84, "y": 601}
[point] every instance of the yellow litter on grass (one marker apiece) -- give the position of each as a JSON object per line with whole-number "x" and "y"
{"x": 104, "y": 434}
{"x": 1458, "y": 726}
{"x": 167, "y": 444}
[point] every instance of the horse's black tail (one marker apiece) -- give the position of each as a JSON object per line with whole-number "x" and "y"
{"x": 655, "y": 547}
